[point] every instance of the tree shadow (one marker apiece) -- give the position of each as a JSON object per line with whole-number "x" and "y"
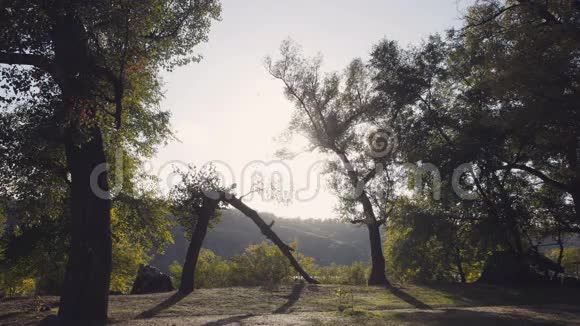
{"x": 292, "y": 298}
{"x": 172, "y": 300}
{"x": 408, "y": 298}
{"x": 229, "y": 320}
{"x": 481, "y": 294}
{"x": 11, "y": 315}
{"x": 467, "y": 317}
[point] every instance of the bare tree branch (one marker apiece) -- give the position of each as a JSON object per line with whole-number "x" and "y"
{"x": 267, "y": 231}
{"x": 493, "y": 17}
{"x": 540, "y": 175}
{"x": 27, "y": 60}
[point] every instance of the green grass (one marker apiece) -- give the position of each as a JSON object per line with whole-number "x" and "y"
{"x": 436, "y": 296}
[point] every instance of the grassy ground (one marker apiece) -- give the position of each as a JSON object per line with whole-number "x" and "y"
{"x": 453, "y": 304}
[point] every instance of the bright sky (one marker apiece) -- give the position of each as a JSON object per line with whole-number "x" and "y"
{"x": 227, "y": 109}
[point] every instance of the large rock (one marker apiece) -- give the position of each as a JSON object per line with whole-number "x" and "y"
{"x": 151, "y": 280}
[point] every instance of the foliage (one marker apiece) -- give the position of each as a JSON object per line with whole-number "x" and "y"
{"x": 188, "y": 196}
{"x": 522, "y": 132}
{"x": 264, "y": 265}
{"x": 126, "y": 262}
{"x": 354, "y": 274}
{"x": 570, "y": 260}
{"x": 335, "y": 111}
{"x": 211, "y": 271}
{"x": 37, "y": 252}
{"x": 142, "y": 218}
{"x": 261, "y": 264}
{"x": 175, "y": 271}
{"x": 500, "y": 94}
{"x": 426, "y": 243}
{"x": 86, "y": 69}
{"x": 122, "y": 73}
{"x": 470, "y": 97}
{"x": 474, "y": 97}
{"x": 127, "y": 257}
{"x": 17, "y": 286}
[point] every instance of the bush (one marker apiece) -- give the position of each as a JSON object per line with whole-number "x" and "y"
{"x": 355, "y": 274}
{"x": 211, "y": 271}
{"x": 570, "y": 260}
{"x": 15, "y": 286}
{"x": 175, "y": 270}
{"x": 424, "y": 244}
{"x": 261, "y": 264}
{"x": 126, "y": 261}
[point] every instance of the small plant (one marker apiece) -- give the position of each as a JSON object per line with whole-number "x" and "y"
{"x": 345, "y": 299}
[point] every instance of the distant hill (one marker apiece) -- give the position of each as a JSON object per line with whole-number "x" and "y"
{"x": 327, "y": 241}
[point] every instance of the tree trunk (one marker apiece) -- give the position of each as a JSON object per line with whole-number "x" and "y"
{"x": 188, "y": 274}
{"x": 573, "y": 157}
{"x": 460, "y": 266}
{"x": 85, "y": 295}
{"x": 267, "y": 231}
{"x": 377, "y": 276}
{"x": 560, "y": 246}
{"x": 576, "y": 198}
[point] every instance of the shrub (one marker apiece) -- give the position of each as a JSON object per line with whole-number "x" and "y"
{"x": 261, "y": 264}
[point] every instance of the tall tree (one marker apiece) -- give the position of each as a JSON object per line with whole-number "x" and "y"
{"x": 194, "y": 207}
{"x": 501, "y": 95}
{"x": 429, "y": 98}
{"x": 92, "y": 70}
{"x": 519, "y": 64}
{"x": 335, "y": 112}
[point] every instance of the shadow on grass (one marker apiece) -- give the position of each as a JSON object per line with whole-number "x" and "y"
{"x": 172, "y": 300}
{"x": 481, "y": 294}
{"x": 292, "y": 298}
{"x": 11, "y": 315}
{"x": 229, "y": 320}
{"x": 472, "y": 318}
{"x": 476, "y": 294}
{"x": 408, "y": 298}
